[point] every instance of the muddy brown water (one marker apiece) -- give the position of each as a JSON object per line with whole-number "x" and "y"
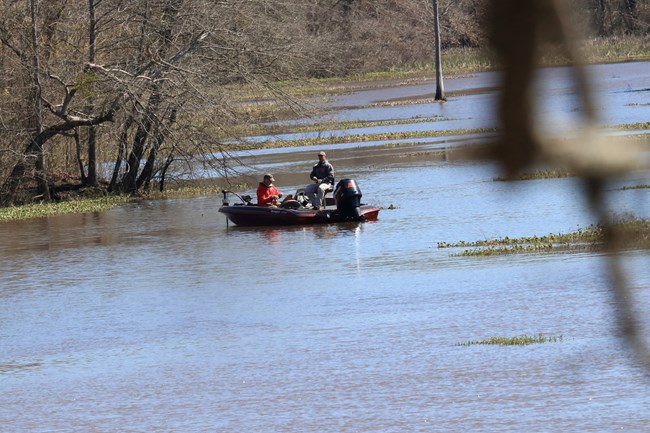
{"x": 161, "y": 317}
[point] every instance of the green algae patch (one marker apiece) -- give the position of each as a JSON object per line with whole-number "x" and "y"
{"x": 539, "y": 174}
{"x": 632, "y": 232}
{"x": 506, "y": 245}
{"x": 520, "y": 340}
{"x": 100, "y": 204}
{"x": 360, "y": 138}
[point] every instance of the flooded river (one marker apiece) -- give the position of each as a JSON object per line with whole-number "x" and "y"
{"x": 161, "y": 317}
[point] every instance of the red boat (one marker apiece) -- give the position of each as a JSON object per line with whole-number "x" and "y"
{"x": 252, "y": 215}
{"x": 344, "y": 206}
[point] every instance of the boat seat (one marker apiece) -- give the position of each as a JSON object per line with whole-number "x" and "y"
{"x": 328, "y": 200}
{"x": 301, "y": 197}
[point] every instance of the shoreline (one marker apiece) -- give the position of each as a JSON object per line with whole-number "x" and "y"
{"x": 97, "y": 199}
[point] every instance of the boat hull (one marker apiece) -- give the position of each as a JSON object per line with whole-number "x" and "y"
{"x": 243, "y": 215}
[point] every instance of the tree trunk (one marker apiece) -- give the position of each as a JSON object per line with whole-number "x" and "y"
{"x": 41, "y": 176}
{"x": 144, "y": 180}
{"x": 163, "y": 172}
{"x": 602, "y": 18}
{"x": 121, "y": 151}
{"x": 35, "y": 144}
{"x": 631, "y": 15}
{"x": 80, "y": 163}
{"x": 129, "y": 183}
{"x": 91, "y": 179}
{"x": 440, "y": 88}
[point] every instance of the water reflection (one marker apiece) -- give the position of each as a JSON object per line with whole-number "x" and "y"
{"x": 175, "y": 321}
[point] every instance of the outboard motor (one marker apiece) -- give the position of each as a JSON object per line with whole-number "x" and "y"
{"x": 347, "y": 196}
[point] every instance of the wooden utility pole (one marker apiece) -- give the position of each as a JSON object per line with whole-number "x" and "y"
{"x": 440, "y": 87}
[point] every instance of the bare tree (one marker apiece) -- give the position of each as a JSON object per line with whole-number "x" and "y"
{"x": 48, "y": 119}
{"x": 162, "y": 71}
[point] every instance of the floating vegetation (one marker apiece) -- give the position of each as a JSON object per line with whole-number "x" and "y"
{"x": 101, "y": 204}
{"x": 633, "y": 126}
{"x": 541, "y": 174}
{"x": 633, "y": 233}
{"x": 633, "y": 187}
{"x": 403, "y": 102}
{"x": 332, "y": 126}
{"x": 16, "y": 366}
{"x": 520, "y": 340}
{"x": 194, "y": 191}
{"x": 360, "y": 138}
{"x": 50, "y": 209}
{"x": 592, "y": 233}
{"x": 519, "y": 249}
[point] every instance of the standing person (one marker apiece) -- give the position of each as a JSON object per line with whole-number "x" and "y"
{"x": 322, "y": 174}
{"x": 267, "y": 193}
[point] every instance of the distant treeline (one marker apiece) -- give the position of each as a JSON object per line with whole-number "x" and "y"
{"x": 109, "y": 94}
{"x": 357, "y": 36}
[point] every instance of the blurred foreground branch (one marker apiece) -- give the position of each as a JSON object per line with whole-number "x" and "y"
{"x": 519, "y": 32}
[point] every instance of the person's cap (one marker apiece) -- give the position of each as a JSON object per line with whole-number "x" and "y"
{"x": 269, "y": 176}
{"x": 321, "y": 153}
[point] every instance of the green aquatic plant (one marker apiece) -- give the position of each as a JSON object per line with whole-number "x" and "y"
{"x": 540, "y": 174}
{"x": 641, "y": 126}
{"x": 631, "y": 232}
{"x": 51, "y": 209}
{"x": 271, "y": 129}
{"x": 515, "y": 249}
{"x": 101, "y": 204}
{"x": 625, "y": 188}
{"x": 520, "y": 340}
{"x": 592, "y": 233}
{"x": 360, "y": 138}
{"x": 403, "y": 102}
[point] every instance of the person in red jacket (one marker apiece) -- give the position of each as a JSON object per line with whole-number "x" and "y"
{"x": 267, "y": 193}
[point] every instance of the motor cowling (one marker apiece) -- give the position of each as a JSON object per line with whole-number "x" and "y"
{"x": 347, "y": 196}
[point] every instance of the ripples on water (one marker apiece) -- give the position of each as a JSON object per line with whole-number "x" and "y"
{"x": 159, "y": 317}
